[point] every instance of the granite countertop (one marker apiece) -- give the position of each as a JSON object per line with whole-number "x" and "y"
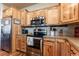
{"x": 72, "y": 40}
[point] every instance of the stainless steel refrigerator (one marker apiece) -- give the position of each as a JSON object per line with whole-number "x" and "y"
{"x": 6, "y": 34}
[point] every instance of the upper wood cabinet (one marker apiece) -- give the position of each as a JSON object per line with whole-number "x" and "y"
{"x": 69, "y": 12}
{"x": 15, "y": 13}
{"x": 7, "y": 12}
{"x": 53, "y": 15}
{"x": 41, "y": 13}
{"x": 23, "y": 18}
{"x": 30, "y": 15}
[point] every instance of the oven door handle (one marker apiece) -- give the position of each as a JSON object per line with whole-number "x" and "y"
{"x": 41, "y": 46}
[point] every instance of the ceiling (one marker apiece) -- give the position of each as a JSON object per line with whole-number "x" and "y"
{"x": 17, "y": 5}
{"x": 40, "y": 6}
{"x": 28, "y": 6}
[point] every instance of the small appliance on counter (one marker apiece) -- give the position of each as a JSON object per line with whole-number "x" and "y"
{"x": 24, "y": 31}
{"x": 61, "y": 32}
{"x": 53, "y": 31}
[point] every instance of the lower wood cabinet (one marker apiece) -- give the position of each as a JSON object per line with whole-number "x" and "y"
{"x": 18, "y": 39}
{"x": 21, "y": 43}
{"x": 62, "y": 49}
{"x": 49, "y": 48}
{"x": 58, "y": 47}
{"x": 68, "y": 48}
{"x": 74, "y": 52}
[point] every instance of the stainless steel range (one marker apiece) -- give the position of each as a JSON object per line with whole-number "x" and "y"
{"x": 35, "y": 42}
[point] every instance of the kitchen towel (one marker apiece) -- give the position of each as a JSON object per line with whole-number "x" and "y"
{"x": 30, "y": 41}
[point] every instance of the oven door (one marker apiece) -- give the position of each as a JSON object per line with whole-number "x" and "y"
{"x": 37, "y": 43}
{"x": 36, "y": 48}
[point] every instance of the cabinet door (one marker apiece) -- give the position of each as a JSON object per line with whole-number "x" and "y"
{"x": 29, "y": 18}
{"x": 19, "y": 15}
{"x": 67, "y": 49}
{"x": 23, "y": 43}
{"x": 7, "y": 12}
{"x": 42, "y": 13}
{"x": 53, "y": 15}
{"x": 61, "y": 47}
{"x": 33, "y": 14}
{"x": 14, "y": 13}
{"x": 48, "y": 49}
{"x": 23, "y": 18}
{"x": 18, "y": 43}
{"x": 69, "y": 12}
{"x": 74, "y": 52}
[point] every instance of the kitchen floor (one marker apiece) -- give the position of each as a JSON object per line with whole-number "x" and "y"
{"x": 4, "y": 53}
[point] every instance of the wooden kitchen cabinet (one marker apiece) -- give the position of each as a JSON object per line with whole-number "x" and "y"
{"x": 69, "y": 12}
{"x": 41, "y": 12}
{"x": 33, "y": 14}
{"x": 29, "y": 18}
{"x": 23, "y": 18}
{"x": 56, "y": 47}
{"x": 49, "y": 48}
{"x": 74, "y": 52}
{"x": 18, "y": 15}
{"x": 53, "y": 15}
{"x": 21, "y": 43}
{"x": 18, "y": 41}
{"x": 68, "y": 48}
{"x": 15, "y": 13}
{"x": 7, "y": 12}
{"x": 61, "y": 47}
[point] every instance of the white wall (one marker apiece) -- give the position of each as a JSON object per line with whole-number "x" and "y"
{"x": 1, "y": 8}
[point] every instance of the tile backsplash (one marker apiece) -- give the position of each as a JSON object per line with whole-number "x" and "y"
{"x": 30, "y": 30}
{"x": 67, "y": 31}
